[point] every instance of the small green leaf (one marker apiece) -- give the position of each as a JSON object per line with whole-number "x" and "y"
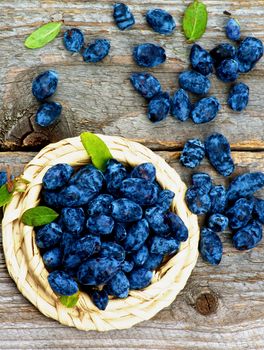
{"x": 96, "y": 149}
{"x": 70, "y": 301}
{"x": 195, "y": 20}
{"x": 5, "y": 196}
{"x": 43, "y": 35}
{"x": 39, "y": 216}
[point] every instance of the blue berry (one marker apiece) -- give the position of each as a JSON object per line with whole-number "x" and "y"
{"x": 123, "y": 16}
{"x": 248, "y": 237}
{"x": 125, "y": 210}
{"x": 114, "y": 175}
{"x": 88, "y": 177}
{"x": 119, "y": 232}
{"x": 112, "y": 250}
{"x": 67, "y": 242}
{"x": 238, "y": 97}
{"x": 75, "y": 196}
{"x": 161, "y": 21}
{"x": 219, "y": 153}
{"x": 3, "y": 178}
{"x": 233, "y": 29}
{"x": 73, "y": 40}
{"x": 259, "y": 209}
{"x": 245, "y": 67}
{"x": 153, "y": 261}
{"x": 97, "y": 271}
{"x": 96, "y": 51}
{"x": 140, "y": 191}
{"x": 45, "y": 84}
{"x": 227, "y": 71}
{"x": 245, "y": 185}
{"x": 194, "y": 82}
{"x": 48, "y": 236}
{"x": 62, "y": 284}
{"x": 201, "y": 60}
{"x": 205, "y": 110}
{"x": 202, "y": 181}
{"x": 218, "y": 222}
{"x": 118, "y": 285}
{"x": 157, "y": 221}
{"x": 141, "y": 256}
{"x": 146, "y": 84}
{"x": 240, "y": 213}
{"x": 127, "y": 266}
{"x": 57, "y": 176}
{"x": 140, "y": 278}
{"x": 181, "y": 105}
{"x": 250, "y": 50}
{"x": 52, "y": 258}
{"x": 222, "y": 52}
{"x": 101, "y": 205}
{"x": 211, "y": 248}
{"x": 100, "y": 298}
{"x": 218, "y": 199}
{"x": 100, "y": 224}
{"x": 136, "y": 236}
{"x": 163, "y": 246}
{"x": 198, "y": 202}
{"x": 50, "y": 198}
{"x": 48, "y": 113}
{"x": 177, "y": 227}
{"x": 149, "y": 55}
{"x": 192, "y": 154}
{"x": 145, "y": 171}
{"x": 165, "y": 199}
{"x": 73, "y": 219}
{"x": 159, "y": 107}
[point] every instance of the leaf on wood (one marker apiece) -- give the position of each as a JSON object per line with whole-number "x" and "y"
{"x": 43, "y": 35}
{"x": 195, "y": 20}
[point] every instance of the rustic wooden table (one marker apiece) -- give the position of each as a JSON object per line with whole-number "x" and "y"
{"x": 220, "y": 307}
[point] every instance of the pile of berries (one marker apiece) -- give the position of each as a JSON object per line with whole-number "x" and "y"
{"x": 114, "y": 229}
{"x": 236, "y": 208}
{"x": 43, "y": 87}
{"x": 227, "y": 61}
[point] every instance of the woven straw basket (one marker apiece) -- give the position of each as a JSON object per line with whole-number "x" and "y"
{"x": 26, "y": 267}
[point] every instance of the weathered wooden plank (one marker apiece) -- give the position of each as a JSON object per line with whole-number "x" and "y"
{"x": 234, "y": 290}
{"x": 99, "y": 97}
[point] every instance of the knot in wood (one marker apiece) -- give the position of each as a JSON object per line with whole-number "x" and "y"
{"x": 206, "y": 303}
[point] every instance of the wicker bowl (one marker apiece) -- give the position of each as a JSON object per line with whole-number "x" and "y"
{"x": 25, "y": 264}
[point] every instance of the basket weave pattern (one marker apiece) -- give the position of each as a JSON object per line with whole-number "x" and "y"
{"x": 25, "y": 264}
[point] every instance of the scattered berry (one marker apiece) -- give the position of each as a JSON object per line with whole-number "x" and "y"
{"x": 233, "y": 29}
{"x": 73, "y": 40}
{"x": 248, "y": 237}
{"x": 218, "y": 199}
{"x": 202, "y": 181}
{"x": 250, "y": 50}
{"x": 48, "y": 113}
{"x": 218, "y": 222}
{"x": 240, "y": 213}
{"x": 201, "y": 60}
{"x": 159, "y": 107}
{"x": 123, "y": 16}
{"x": 146, "y": 84}
{"x": 149, "y": 55}
{"x": 96, "y": 51}
{"x": 45, "y": 85}
{"x": 161, "y": 21}
{"x": 181, "y": 105}
{"x": 192, "y": 154}
{"x": 205, "y": 110}
{"x": 227, "y": 71}
{"x": 222, "y": 52}
{"x": 198, "y": 202}
{"x": 210, "y": 247}
{"x": 238, "y": 97}
{"x": 194, "y": 82}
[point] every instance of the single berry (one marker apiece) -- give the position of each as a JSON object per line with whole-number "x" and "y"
{"x": 250, "y": 50}
{"x": 48, "y": 113}
{"x": 100, "y": 224}
{"x": 99, "y": 298}
{"x": 165, "y": 199}
{"x": 177, "y": 227}
{"x": 194, "y": 82}
{"x": 141, "y": 191}
{"x": 139, "y": 278}
{"x": 118, "y": 285}
{"x": 73, "y": 219}
{"x": 163, "y": 246}
{"x": 100, "y": 205}
{"x": 181, "y": 105}
{"x": 201, "y": 60}
{"x": 141, "y": 256}
{"x": 159, "y": 107}
{"x": 52, "y": 258}
{"x": 258, "y": 210}
{"x": 222, "y": 52}
{"x": 149, "y": 55}
{"x": 146, "y": 84}
{"x": 153, "y": 261}
{"x": 192, "y": 154}
{"x": 45, "y": 85}
{"x": 202, "y": 181}
{"x": 125, "y": 210}
{"x": 218, "y": 222}
{"x": 62, "y": 284}
{"x": 48, "y": 236}
{"x": 238, "y": 97}
{"x": 198, "y": 202}
{"x": 73, "y": 40}
{"x": 137, "y": 234}
{"x": 227, "y": 71}
{"x": 145, "y": 171}
{"x": 211, "y": 248}
{"x": 218, "y": 199}
{"x": 233, "y": 29}
{"x": 96, "y": 51}
{"x": 123, "y": 16}
{"x": 161, "y": 21}
{"x": 205, "y": 110}
{"x": 112, "y": 250}
{"x": 248, "y": 237}
{"x": 157, "y": 221}
{"x": 240, "y": 213}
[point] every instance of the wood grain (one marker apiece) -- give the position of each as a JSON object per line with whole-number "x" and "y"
{"x": 99, "y": 97}
{"x": 231, "y": 296}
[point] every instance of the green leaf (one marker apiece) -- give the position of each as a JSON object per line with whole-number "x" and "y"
{"x": 70, "y": 301}
{"x": 195, "y": 20}
{"x": 43, "y": 35}
{"x": 5, "y": 196}
{"x": 39, "y": 216}
{"x": 96, "y": 149}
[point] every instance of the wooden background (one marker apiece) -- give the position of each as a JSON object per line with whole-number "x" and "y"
{"x": 220, "y": 307}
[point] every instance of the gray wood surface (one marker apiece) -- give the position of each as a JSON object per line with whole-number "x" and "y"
{"x": 220, "y": 308}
